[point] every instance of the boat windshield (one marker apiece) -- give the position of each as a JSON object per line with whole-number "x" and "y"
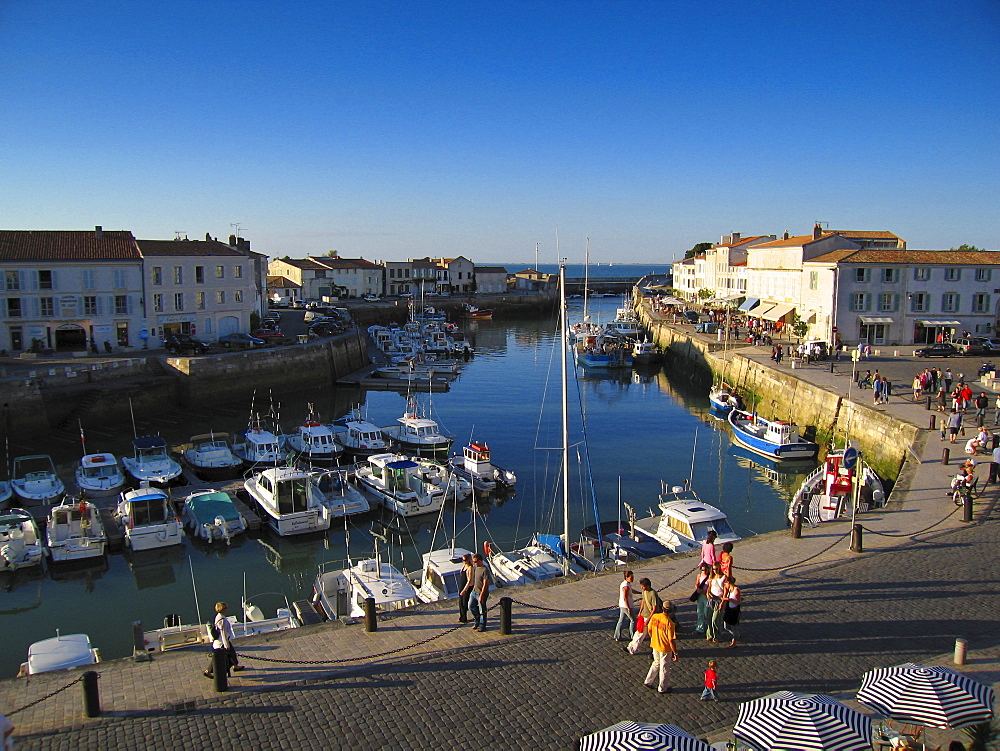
{"x": 148, "y": 511}
{"x": 293, "y": 496}
{"x": 98, "y": 472}
{"x": 152, "y": 454}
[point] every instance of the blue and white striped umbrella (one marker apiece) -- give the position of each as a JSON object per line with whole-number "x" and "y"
{"x": 933, "y": 697}
{"x": 642, "y": 736}
{"x": 787, "y": 721}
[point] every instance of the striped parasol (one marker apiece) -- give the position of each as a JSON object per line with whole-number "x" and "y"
{"x": 934, "y": 697}
{"x": 642, "y": 736}
{"x": 787, "y": 721}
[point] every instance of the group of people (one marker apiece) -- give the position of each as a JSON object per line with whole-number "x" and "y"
{"x": 718, "y": 602}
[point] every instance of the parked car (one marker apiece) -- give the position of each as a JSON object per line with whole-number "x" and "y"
{"x": 270, "y": 336}
{"x": 693, "y": 316}
{"x": 371, "y": 298}
{"x": 706, "y": 327}
{"x": 993, "y": 343}
{"x": 406, "y": 295}
{"x": 971, "y": 345}
{"x": 940, "y": 349}
{"x": 299, "y": 304}
{"x": 175, "y": 343}
{"x": 240, "y": 341}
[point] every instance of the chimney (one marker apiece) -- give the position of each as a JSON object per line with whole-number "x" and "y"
{"x": 817, "y": 231}
{"x": 736, "y": 238}
{"x": 785, "y": 236}
{"x": 98, "y": 231}
{"x": 232, "y": 241}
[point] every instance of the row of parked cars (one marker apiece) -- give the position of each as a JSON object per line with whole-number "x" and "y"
{"x": 968, "y": 345}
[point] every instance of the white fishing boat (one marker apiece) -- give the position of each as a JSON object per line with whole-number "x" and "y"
{"x": 212, "y": 516}
{"x": 626, "y": 323}
{"x": 99, "y": 475}
{"x": 75, "y": 532}
{"x": 476, "y": 465}
{"x": 829, "y": 491}
{"x": 436, "y": 473}
{"x": 148, "y": 519}
{"x": 359, "y": 437}
{"x": 533, "y": 563}
{"x": 211, "y": 457}
{"x": 20, "y": 545}
{"x": 722, "y": 397}
{"x": 684, "y": 522}
{"x": 34, "y": 479}
{"x": 645, "y": 352}
{"x": 338, "y": 493}
{"x": 312, "y": 442}
{"x": 259, "y": 447}
{"x": 151, "y": 462}
{"x": 394, "y": 481}
{"x": 341, "y": 593}
{"x": 59, "y": 653}
{"x": 419, "y": 436}
{"x": 289, "y": 499}
{"x": 441, "y": 574}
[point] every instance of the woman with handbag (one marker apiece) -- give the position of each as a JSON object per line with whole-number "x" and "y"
{"x": 716, "y": 607}
{"x": 731, "y": 615}
{"x": 646, "y": 607}
{"x": 700, "y": 596}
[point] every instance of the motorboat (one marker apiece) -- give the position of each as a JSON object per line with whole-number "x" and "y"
{"x": 543, "y": 558}
{"x": 259, "y": 447}
{"x": 684, "y": 522}
{"x": 148, "y": 519}
{"x": 342, "y": 593}
{"x": 212, "y": 516}
{"x": 603, "y": 351}
{"x": 441, "y": 574}
{"x": 6, "y": 492}
{"x": 774, "y": 438}
{"x": 99, "y": 475}
{"x": 211, "y": 457}
{"x": 722, "y": 397}
{"x": 338, "y": 493}
{"x": 454, "y": 487}
{"x": 394, "y": 481}
{"x": 417, "y": 435}
{"x": 34, "y": 479}
{"x": 626, "y": 323}
{"x": 476, "y": 465}
{"x": 151, "y": 463}
{"x": 645, "y": 352}
{"x": 20, "y": 546}
{"x": 289, "y": 499}
{"x": 475, "y": 313}
{"x": 75, "y": 532}
{"x": 359, "y": 437}
{"x": 828, "y": 492}
{"x": 59, "y": 653}
{"x": 621, "y": 542}
{"x": 312, "y": 442}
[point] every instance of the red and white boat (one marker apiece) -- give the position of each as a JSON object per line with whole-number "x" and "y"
{"x": 827, "y": 493}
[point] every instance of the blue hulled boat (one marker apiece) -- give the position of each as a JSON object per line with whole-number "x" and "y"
{"x": 774, "y": 438}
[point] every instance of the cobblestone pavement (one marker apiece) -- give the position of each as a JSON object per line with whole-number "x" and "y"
{"x": 812, "y": 631}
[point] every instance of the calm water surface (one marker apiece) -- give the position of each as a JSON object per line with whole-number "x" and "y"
{"x": 640, "y": 430}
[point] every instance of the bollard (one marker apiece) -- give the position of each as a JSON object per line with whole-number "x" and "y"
{"x": 91, "y": 696}
{"x": 996, "y": 440}
{"x": 945, "y": 455}
{"x": 796, "y": 525}
{"x": 371, "y": 622}
{"x": 960, "y": 647}
{"x": 505, "y": 605}
{"x": 220, "y": 670}
{"x": 967, "y": 507}
{"x": 831, "y": 366}
{"x": 929, "y": 403}
{"x": 857, "y": 543}
{"x": 933, "y": 423}
{"x": 979, "y": 421}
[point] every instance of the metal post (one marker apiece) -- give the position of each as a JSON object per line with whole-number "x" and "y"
{"x": 371, "y": 622}
{"x": 220, "y": 669}
{"x": 796, "y": 525}
{"x": 91, "y": 695}
{"x": 933, "y": 423}
{"x": 857, "y": 543}
{"x": 929, "y": 404}
{"x": 996, "y": 440}
{"x": 967, "y": 507}
{"x": 960, "y": 647}
{"x": 831, "y": 366}
{"x": 505, "y": 605}
{"x": 945, "y": 455}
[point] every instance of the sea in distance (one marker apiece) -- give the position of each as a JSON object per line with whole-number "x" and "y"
{"x": 629, "y": 431}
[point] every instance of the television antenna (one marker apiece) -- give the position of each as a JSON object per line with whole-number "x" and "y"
{"x": 237, "y": 226}
{"x": 178, "y": 233}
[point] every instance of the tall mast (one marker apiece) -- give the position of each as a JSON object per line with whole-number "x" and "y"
{"x": 565, "y": 412}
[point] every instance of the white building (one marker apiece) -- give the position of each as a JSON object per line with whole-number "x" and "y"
{"x": 327, "y": 278}
{"x": 490, "y": 280}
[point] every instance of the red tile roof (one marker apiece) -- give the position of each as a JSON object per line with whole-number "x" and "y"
{"x": 282, "y": 282}
{"x": 67, "y": 245}
{"x": 867, "y": 234}
{"x": 927, "y": 257}
{"x": 791, "y": 242}
{"x": 186, "y": 248}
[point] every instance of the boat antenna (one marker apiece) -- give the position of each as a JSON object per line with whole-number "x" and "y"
{"x": 194, "y": 589}
{"x": 694, "y": 452}
{"x": 135, "y": 433}
{"x": 83, "y": 440}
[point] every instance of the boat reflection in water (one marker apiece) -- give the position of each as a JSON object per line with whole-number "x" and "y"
{"x": 156, "y": 567}
{"x": 785, "y": 475}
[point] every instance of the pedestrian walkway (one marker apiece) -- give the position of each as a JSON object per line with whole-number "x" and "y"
{"x": 817, "y": 616}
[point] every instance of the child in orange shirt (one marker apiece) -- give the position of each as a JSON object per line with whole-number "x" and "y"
{"x": 711, "y": 682}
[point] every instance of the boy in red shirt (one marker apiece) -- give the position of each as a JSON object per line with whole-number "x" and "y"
{"x": 710, "y": 683}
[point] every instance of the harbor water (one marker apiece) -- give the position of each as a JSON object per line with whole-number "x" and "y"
{"x": 630, "y": 431}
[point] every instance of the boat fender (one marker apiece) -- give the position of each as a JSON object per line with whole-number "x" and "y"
{"x": 487, "y": 548}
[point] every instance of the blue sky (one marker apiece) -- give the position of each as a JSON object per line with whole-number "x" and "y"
{"x": 392, "y": 130}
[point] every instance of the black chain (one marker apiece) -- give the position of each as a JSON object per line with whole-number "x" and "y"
{"x": 560, "y": 610}
{"x": 679, "y": 578}
{"x": 47, "y": 696}
{"x": 912, "y": 534}
{"x": 793, "y": 565}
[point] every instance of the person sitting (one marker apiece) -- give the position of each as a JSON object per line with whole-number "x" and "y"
{"x": 972, "y": 446}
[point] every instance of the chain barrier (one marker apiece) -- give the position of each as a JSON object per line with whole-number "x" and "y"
{"x": 679, "y": 578}
{"x": 561, "y": 610}
{"x": 913, "y": 534}
{"x": 47, "y": 696}
{"x": 793, "y": 565}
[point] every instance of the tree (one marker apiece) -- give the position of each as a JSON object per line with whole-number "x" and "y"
{"x": 697, "y": 249}
{"x": 800, "y": 326}
{"x": 332, "y": 254}
{"x": 705, "y": 294}
{"x": 963, "y": 246}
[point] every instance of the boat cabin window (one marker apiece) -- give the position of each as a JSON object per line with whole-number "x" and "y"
{"x": 266, "y": 484}
{"x": 152, "y": 453}
{"x": 395, "y": 479}
{"x": 293, "y": 496}
{"x": 148, "y": 511}
{"x": 683, "y": 528}
{"x": 451, "y": 585}
{"x": 95, "y": 472}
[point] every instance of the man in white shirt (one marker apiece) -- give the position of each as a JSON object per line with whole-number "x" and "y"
{"x": 626, "y": 612}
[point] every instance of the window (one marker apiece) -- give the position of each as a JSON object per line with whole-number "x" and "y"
{"x": 952, "y": 275}
{"x": 200, "y": 300}
{"x": 921, "y": 274}
{"x": 861, "y": 275}
{"x": 118, "y": 278}
{"x": 920, "y": 302}
{"x": 45, "y": 280}
{"x": 121, "y": 305}
{"x": 813, "y": 280}
{"x": 220, "y": 272}
{"x": 238, "y": 296}
{"x": 13, "y": 279}
{"x": 47, "y": 306}
{"x": 981, "y": 302}
{"x": 321, "y": 274}
{"x": 178, "y": 275}
{"x": 890, "y": 275}
{"x": 157, "y": 275}
{"x": 199, "y": 274}
{"x": 983, "y": 275}
{"x": 13, "y": 307}
{"x": 887, "y": 302}
{"x": 178, "y": 301}
{"x": 89, "y": 279}
{"x": 220, "y": 297}
{"x": 859, "y": 300}
{"x": 90, "y": 305}
{"x": 238, "y": 272}
{"x": 157, "y": 303}
{"x": 949, "y": 302}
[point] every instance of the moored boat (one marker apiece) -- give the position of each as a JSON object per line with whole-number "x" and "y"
{"x": 151, "y": 463}
{"x": 289, "y": 500}
{"x": 827, "y": 493}
{"x": 34, "y": 479}
{"x": 359, "y": 437}
{"x": 75, "y": 532}
{"x": 476, "y": 465}
{"x": 684, "y": 522}
{"x": 59, "y": 653}
{"x": 212, "y": 515}
{"x": 394, "y": 481}
{"x": 312, "y": 442}
{"x": 211, "y": 457}
{"x": 338, "y": 494}
{"x": 148, "y": 519}
{"x": 417, "y": 435}
{"x": 20, "y": 545}
{"x": 774, "y": 438}
{"x": 722, "y": 398}
{"x": 99, "y": 475}
{"x": 645, "y": 352}
{"x": 441, "y": 574}
{"x": 342, "y": 593}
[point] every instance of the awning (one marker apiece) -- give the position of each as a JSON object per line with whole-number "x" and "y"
{"x": 874, "y": 320}
{"x": 778, "y": 312}
{"x": 936, "y": 322}
{"x": 749, "y": 303}
{"x": 761, "y": 310}
{"x": 723, "y": 300}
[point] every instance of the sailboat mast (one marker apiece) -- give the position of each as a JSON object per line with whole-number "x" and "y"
{"x": 563, "y": 323}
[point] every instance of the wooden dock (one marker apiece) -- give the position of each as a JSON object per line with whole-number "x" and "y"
{"x": 365, "y": 379}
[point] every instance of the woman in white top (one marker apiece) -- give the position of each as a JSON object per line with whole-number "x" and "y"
{"x": 716, "y": 604}
{"x": 223, "y": 640}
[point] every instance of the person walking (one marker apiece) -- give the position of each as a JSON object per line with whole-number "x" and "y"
{"x": 466, "y": 590}
{"x": 954, "y": 423}
{"x": 981, "y": 402}
{"x": 996, "y": 418}
{"x": 731, "y": 616}
{"x": 711, "y": 682}
{"x": 947, "y": 379}
{"x": 481, "y": 580}
{"x": 726, "y": 558}
{"x": 716, "y": 605}
{"x": 222, "y": 638}
{"x": 877, "y": 390}
{"x": 646, "y": 607}
{"x": 708, "y": 554}
{"x": 626, "y": 612}
{"x": 701, "y": 590}
{"x": 662, "y": 638}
